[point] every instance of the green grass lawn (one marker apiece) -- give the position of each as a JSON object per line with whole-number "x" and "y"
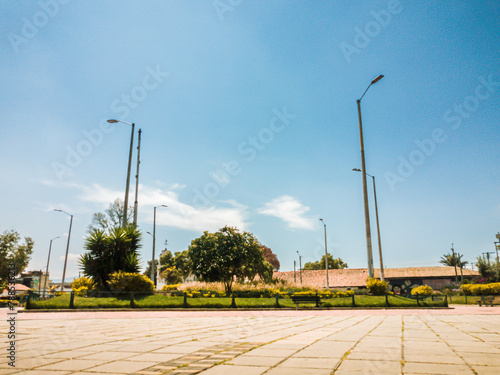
{"x": 163, "y": 301}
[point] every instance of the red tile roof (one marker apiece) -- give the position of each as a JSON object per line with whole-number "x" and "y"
{"x": 356, "y": 277}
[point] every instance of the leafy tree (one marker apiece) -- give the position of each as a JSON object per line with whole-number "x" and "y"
{"x": 111, "y": 218}
{"x": 333, "y": 264}
{"x": 453, "y": 260}
{"x": 182, "y": 263}
{"x": 147, "y": 272}
{"x": 490, "y": 271}
{"x": 171, "y": 275}
{"x": 13, "y": 252}
{"x": 271, "y": 257}
{"x": 110, "y": 252}
{"x": 225, "y": 255}
{"x": 166, "y": 260}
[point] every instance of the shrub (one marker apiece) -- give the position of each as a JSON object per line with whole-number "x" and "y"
{"x": 376, "y": 287}
{"x": 169, "y": 288}
{"x": 130, "y": 282}
{"x": 422, "y": 290}
{"x": 82, "y": 285}
{"x": 8, "y": 302}
{"x": 481, "y": 289}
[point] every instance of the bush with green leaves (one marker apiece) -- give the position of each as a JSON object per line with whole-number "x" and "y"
{"x": 377, "y": 287}
{"x": 82, "y": 285}
{"x": 481, "y": 289}
{"x": 422, "y": 291}
{"x": 125, "y": 282}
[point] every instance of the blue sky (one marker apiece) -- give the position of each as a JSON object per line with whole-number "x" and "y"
{"x": 248, "y": 116}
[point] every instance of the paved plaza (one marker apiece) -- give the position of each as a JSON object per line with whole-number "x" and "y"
{"x": 461, "y": 340}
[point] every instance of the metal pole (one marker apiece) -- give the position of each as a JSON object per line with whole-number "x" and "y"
{"x": 48, "y": 260}
{"x": 294, "y": 272}
{"x": 153, "y": 271}
{"x": 496, "y": 244}
{"x": 326, "y": 256}
{"x": 454, "y": 263}
{"x": 365, "y": 195}
{"x": 378, "y": 232}
{"x": 300, "y": 266}
{"x": 125, "y": 204}
{"x": 137, "y": 177}
{"x": 67, "y": 249}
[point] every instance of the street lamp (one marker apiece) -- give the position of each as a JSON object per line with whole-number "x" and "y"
{"x": 326, "y": 257}
{"x": 153, "y": 270}
{"x": 378, "y": 226}
{"x": 300, "y": 266}
{"x": 137, "y": 176}
{"x": 365, "y": 190}
{"x": 48, "y": 260}
{"x": 125, "y": 204}
{"x": 67, "y": 247}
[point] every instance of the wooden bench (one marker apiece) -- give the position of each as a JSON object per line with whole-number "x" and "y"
{"x": 489, "y": 300}
{"x": 306, "y": 299}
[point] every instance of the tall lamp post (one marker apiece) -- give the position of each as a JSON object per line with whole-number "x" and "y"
{"x": 67, "y": 247}
{"x": 137, "y": 176}
{"x": 365, "y": 190}
{"x": 326, "y": 256}
{"x": 125, "y": 202}
{"x": 300, "y": 266}
{"x": 153, "y": 268}
{"x": 378, "y": 225}
{"x": 48, "y": 260}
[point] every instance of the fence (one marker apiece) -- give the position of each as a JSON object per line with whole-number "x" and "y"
{"x": 105, "y": 299}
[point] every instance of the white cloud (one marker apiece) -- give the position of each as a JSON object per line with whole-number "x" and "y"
{"x": 177, "y": 214}
{"x": 72, "y": 258}
{"x": 290, "y": 210}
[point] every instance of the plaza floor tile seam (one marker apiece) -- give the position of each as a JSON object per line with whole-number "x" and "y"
{"x": 198, "y": 361}
{"x": 469, "y": 365}
{"x": 318, "y": 340}
{"x": 348, "y": 352}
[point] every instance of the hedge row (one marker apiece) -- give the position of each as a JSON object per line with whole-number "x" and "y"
{"x": 481, "y": 289}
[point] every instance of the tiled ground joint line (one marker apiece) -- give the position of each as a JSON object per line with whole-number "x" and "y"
{"x": 449, "y": 346}
{"x": 346, "y": 354}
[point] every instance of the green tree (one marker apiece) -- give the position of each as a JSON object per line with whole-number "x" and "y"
{"x": 147, "y": 272}
{"x": 13, "y": 252}
{"x": 271, "y": 257}
{"x": 171, "y": 275}
{"x": 225, "y": 255}
{"x": 490, "y": 271}
{"x": 110, "y": 252}
{"x": 182, "y": 263}
{"x": 111, "y": 218}
{"x": 453, "y": 260}
{"x": 333, "y": 264}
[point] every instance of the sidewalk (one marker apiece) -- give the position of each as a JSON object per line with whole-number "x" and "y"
{"x": 462, "y": 340}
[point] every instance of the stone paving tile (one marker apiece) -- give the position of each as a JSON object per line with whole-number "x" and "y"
{"x": 436, "y": 368}
{"x": 123, "y": 367}
{"x": 316, "y": 363}
{"x": 255, "y": 361}
{"x": 234, "y": 369}
{"x": 370, "y": 366}
{"x": 72, "y": 365}
{"x": 299, "y": 371}
{"x": 487, "y": 370}
{"x": 434, "y": 358}
{"x": 41, "y": 372}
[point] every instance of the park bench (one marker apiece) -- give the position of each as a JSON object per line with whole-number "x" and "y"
{"x": 306, "y": 299}
{"x": 489, "y": 300}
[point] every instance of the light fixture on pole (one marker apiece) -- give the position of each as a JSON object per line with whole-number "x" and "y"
{"x": 67, "y": 247}
{"x": 326, "y": 257}
{"x": 382, "y": 277}
{"x": 137, "y": 176}
{"x": 153, "y": 268}
{"x": 300, "y": 266}
{"x": 48, "y": 260}
{"x": 125, "y": 202}
{"x": 365, "y": 190}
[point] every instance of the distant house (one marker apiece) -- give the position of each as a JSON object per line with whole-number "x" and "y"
{"x": 20, "y": 288}
{"x": 401, "y": 280}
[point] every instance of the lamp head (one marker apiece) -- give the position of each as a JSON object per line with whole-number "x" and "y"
{"x": 112, "y": 121}
{"x": 378, "y": 78}
{"x": 356, "y": 169}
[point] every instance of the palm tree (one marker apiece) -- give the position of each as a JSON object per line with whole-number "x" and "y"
{"x": 111, "y": 252}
